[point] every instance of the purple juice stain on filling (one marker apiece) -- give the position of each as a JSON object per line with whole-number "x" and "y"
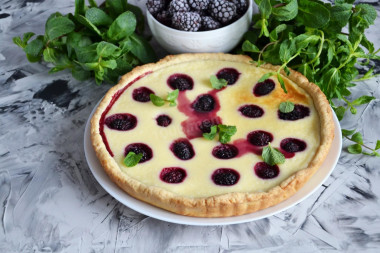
{"x": 292, "y": 145}
{"x": 263, "y": 88}
{"x": 231, "y": 75}
{"x": 299, "y": 112}
{"x": 142, "y": 94}
{"x": 251, "y": 111}
{"x": 259, "y": 138}
{"x": 121, "y": 121}
{"x": 225, "y": 151}
{"x": 173, "y": 175}
{"x": 163, "y": 120}
{"x": 204, "y": 103}
{"x": 139, "y": 148}
{"x": 197, "y": 122}
{"x": 182, "y": 149}
{"x": 266, "y": 171}
{"x": 225, "y": 177}
{"x": 181, "y": 82}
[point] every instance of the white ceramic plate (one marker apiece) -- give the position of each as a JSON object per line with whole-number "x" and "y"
{"x": 311, "y": 186}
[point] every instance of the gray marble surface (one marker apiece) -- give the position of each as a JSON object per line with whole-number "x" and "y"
{"x": 50, "y": 201}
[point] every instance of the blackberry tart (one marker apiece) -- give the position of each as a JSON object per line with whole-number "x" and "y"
{"x": 181, "y": 171}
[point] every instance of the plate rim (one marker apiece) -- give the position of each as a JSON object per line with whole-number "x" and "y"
{"x": 155, "y": 212}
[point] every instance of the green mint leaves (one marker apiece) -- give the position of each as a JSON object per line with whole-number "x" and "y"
{"x": 217, "y": 83}
{"x": 225, "y": 133}
{"x": 265, "y": 77}
{"x": 286, "y": 107}
{"x": 171, "y": 98}
{"x": 351, "y": 106}
{"x": 312, "y": 41}
{"x": 272, "y": 156}
{"x": 357, "y": 148}
{"x": 156, "y": 100}
{"x": 132, "y": 159}
{"x": 211, "y": 135}
{"x": 99, "y": 42}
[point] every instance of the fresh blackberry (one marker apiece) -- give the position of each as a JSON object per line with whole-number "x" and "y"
{"x": 222, "y": 10}
{"x": 199, "y": 4}
{"x": 208, "y": 23}
{"x": 155, "y": 6}
{"x": 241, "y": 6}
{"x": 164, "y": 17}
{"x": 202, "y": 13}
{"x": 178, "y": 6}
{"x": 186, "y": 21}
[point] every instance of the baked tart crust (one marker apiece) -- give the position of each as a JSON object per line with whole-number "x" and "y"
{"x": 223, "y": 205}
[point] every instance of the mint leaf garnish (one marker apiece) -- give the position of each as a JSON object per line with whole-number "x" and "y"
{"x": 355, "y": 149}
{"x": 272, "y": 156}
{"x": 281, "y": 81}
{"x": 156, "y": 100}
{"x": 211, "y": 134}
{"x": 377, "y": 145}
{"x": 265, "y": 77}
{"x": 346, "y": 132}
{"x": 286, "y": 107}
{"x": 132, "y": 159}
{"x": 217, "y": 83}
{"x": 357, "y": 137}
{"x": 226, "y": 132}
{"x": 171, "y": 98}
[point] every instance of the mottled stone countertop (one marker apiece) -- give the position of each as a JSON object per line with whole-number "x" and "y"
{"x": 50, "y": 201}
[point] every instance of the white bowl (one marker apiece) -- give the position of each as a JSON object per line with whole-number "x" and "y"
{"x": 220, "y": 40}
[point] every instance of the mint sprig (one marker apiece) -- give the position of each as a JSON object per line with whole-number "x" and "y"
{"x": 225, "y": 133}
{"x": 211, "y": 135}
{"x": 98, "y": 42}
{"x": 217, "y": 83}
{"x": 309, "y": 36}
{"x": 357, "y": 148}
{"x": 171, "y": 98}
{"x": 286, "y": 107}
{"x": 265, "y": 77}
{"x": 132, "y": 159}
{"x": 272, "y": 155}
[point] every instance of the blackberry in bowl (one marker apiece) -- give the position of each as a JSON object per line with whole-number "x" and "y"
{"x": 198, "y": 26}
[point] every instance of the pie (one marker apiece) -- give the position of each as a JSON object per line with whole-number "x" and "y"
{"x": 185, "y": 173}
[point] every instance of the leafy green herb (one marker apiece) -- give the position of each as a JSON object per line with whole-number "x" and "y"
{"x": 312, "y": 42}
{"x": 211, "y": 134}
{"x": 171, "y": 98}
{"x": 98, "y": 42}
{"x": 132, "y": 159}
{"x": 272, "y": 156}
{"x": 357, "y": 148}
{"x": 265, "y": 77}
{"x": 156, "y": 100}
{"x": 286, "y": 107}
{"x": 225, "y": 133}
{"x": 217, "y": 83}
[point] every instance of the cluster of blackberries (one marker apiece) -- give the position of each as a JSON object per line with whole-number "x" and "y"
{"x": 197, "y": 15}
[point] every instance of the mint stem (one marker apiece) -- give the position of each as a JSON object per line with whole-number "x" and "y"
{"x": 360, "y": 144}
